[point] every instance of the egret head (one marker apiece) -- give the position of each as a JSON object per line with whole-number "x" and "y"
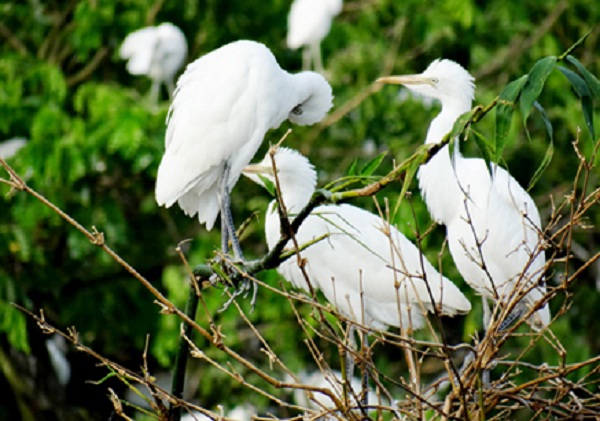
{"x": 313, "y": 98}
{"x": 296, "y": 175}
{"x": 443, "y": 79}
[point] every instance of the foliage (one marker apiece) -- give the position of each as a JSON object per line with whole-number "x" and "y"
{"x": 95, "y": 143}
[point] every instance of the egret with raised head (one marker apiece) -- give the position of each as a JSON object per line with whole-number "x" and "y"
{"x": 493, "y": 225}
{"x": 224, "y": 104}
{"x": 157, "y": 52}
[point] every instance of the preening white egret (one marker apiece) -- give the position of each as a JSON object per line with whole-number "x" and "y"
{"x": 224, "y": 104}
{"x": 373, "y": 278}
{"x": 493, "y": 225}
{"x": 157, "y": 52}
{"x": 309, "y": 22}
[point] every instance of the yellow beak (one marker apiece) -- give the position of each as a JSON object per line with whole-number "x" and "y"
{"x": 257, "y": 169}
{"x": 406, "y": 80}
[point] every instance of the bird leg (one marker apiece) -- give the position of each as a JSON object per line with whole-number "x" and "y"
{"x": 227, "y": 226}
{"x": 317, "y": 58}
{"x": 306, "y": 58}
{"x": 228, "y": 232}
{"x": 512, "y": 316}
{"x": 154, "y": 92}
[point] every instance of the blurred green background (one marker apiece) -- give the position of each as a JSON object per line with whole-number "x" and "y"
{"x": 95, "y": 143}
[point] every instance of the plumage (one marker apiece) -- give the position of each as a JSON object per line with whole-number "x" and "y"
{"x": 157, "y": 52}
{"x": 224, "y": 104}
{"x": 356, "y": 256}
{"x": 490, "y": 219}
{"x": 309, "y": 21}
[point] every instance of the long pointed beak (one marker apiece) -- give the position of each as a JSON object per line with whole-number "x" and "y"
{"x": 257, "y": 169}
{"x": 406, "y": 80}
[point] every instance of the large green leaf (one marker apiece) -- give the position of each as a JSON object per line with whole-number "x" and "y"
{"x": 535, "y": 83}
{"x": 592, "y": 81}
{"x": 504, "y": 112}
{"x": 583, "y": 92}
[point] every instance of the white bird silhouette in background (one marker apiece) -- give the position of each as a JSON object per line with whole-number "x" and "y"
{"x": 224, "y": 104}
{"x": 493, "y": 226}
{"x": 157, "y": 52}
{"x": 373, "y": 278}
{"x": 309, "y": 21}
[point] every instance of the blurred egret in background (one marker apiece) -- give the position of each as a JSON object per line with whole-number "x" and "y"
{"x": 224, "y": 104}
{"x": 493, "y": 226}
{"x": 10, "y": 147}
{"x": 157, "y": 52}
{"x": 365, "y": 267}
{"x": 309, "y": 22}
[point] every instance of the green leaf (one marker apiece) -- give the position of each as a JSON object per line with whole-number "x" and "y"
{"x": 408, "y": 177}
{"x": 353, "y": 170}
{"x": 577, "y": 44}
{"x": 549, "y": 151}
{"x": 583, "y": 92}
{"x": 461, "y": 123}
{"x": 268, "y": 184}
{"x": 14, "y": 324}
{"x": 485, "y": 146}
{"x": 535, "y": 83}
{"x": 504, "y": 111}
{"x": 372, "y": 165}
{"x": 592, "y": 81}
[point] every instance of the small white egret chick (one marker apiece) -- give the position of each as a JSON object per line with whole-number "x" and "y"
{"x": 224, "y": 104}
{"x": 493, "y": 225}
{"x": 372, "y": 278}
{"x": 309, "y": 21}
{"x": 157, "y": 52}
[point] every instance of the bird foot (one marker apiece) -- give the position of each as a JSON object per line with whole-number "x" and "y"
{"x": 244, "y": 290}
{"x": 230, "y": 269}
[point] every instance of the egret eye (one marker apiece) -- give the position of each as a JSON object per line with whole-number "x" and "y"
{"x": 435, "y": 81}
{"x": 297, "y": 110}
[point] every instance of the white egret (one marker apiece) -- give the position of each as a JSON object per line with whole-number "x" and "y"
{"x": 224, "y": 104}
{"x": 157, "y": 52}
{"x": 493, "y": 225}
{"x": 366, "y": 268}
{"x": 309, "y": 21}
{"x": 10, "y": 147}
{"x": 327, "y": 379}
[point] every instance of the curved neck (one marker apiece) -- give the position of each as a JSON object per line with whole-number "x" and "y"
{"x": 437, "y": 178}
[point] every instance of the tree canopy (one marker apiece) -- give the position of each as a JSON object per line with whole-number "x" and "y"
{"x": 94, "y": 142}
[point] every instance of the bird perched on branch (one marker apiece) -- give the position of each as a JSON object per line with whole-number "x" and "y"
{"x": 157, "y": 52}
{"x": 493, "y": 225}
{"x": 365, "y": 267}
{"x": 309, "y": 22}
{"x": 224, "y": 104}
